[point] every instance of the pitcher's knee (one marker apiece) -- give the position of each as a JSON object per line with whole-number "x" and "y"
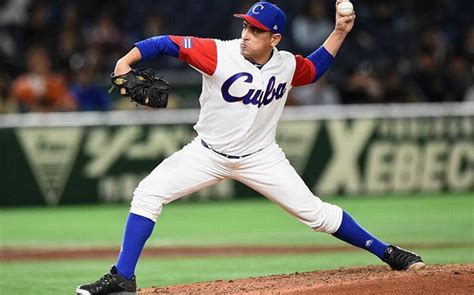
{"x": 327, "y": 219}
{"x": 146, "y": 205}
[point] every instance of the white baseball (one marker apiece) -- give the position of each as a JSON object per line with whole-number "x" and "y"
{"x": 345, "y": 8}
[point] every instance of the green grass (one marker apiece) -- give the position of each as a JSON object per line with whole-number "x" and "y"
{"x": 254, "y": 222}
{"x": 402, "y": 220}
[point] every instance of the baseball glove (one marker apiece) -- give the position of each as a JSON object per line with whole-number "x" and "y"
{"x": 143, "y": 87}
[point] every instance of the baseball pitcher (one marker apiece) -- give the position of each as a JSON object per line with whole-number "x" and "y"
{"x": 245, "y": 84}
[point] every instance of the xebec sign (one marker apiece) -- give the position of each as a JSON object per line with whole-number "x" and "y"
{"x": 399, "y": 155}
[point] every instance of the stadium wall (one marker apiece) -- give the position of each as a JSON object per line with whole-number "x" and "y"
{"x": 96, "y": 157}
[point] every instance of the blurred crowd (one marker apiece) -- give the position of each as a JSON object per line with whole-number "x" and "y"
{"x": 58, "y": 55}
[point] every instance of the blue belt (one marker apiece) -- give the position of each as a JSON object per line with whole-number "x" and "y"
{"x": 222, "y": 154}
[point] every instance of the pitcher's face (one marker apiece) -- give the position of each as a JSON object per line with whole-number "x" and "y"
{"x": 256, "y": 43}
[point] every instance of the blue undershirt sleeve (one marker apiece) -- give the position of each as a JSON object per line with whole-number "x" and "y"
{"x": 156, "y": 46}
{"x": 322, "y": 60}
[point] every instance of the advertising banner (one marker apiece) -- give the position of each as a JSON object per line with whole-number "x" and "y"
{"x": 103, "y": 164}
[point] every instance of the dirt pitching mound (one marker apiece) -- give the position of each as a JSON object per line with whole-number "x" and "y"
{"x": 434, "y": 279}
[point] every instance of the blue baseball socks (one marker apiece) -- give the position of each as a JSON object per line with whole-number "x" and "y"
{"x": 351, "y": 232}
{"x": 137, "y": 231}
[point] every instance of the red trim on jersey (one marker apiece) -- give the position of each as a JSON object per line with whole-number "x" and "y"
{"x": 197, "y": 52}
{"x": 305, "y": 72}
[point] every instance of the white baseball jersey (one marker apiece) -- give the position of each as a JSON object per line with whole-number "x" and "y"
{"x": 240, "y": 108}
{"x": 240, "y": 103}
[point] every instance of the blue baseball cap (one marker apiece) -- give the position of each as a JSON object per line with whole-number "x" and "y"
{"x": 265, "y": 16}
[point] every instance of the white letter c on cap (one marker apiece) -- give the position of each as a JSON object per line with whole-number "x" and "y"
{"x": 254, "y": 9}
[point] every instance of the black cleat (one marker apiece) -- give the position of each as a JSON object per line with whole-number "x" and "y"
{"x": 110, "y": 283}
{"x": 401, "y": 259}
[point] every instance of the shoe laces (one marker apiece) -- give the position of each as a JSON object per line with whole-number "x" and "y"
{"x": 401, "y": 256}
{"x": 104, "y": 279}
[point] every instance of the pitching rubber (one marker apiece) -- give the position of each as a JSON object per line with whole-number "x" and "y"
{"x": 417, "y": 265}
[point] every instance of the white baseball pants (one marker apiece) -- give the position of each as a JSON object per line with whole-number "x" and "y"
{"x": 268, "y": 172}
